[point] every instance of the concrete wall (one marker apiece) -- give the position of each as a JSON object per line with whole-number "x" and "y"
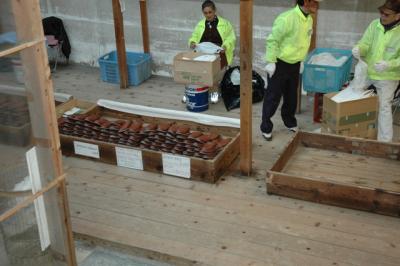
{"x": 89, "y": 24}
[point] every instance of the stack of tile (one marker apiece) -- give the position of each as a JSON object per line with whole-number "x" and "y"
{"x": 166, "y": 137}
{"x": 13, "y": 111}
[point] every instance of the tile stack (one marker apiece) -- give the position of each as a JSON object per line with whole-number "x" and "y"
{"x": 165, "y": 137}
{"x": 13, "y": 111}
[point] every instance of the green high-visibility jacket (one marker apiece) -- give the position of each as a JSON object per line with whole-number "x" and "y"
{"x": 226, "y": 32}
{"x": 290, "y": 37}
{"x": 377, "y": 45}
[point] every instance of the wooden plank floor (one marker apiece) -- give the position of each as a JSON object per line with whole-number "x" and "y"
{"x": 230, "y": 223}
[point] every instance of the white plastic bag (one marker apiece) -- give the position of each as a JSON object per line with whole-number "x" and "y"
{"x": 360, "y": 80}
{"x": 205, "y": 58}
{"x": 208, "y": 48}
{"x": 356, "y": 89}
{"x": 235, "y": 77}
{"x": 327, "y": 59}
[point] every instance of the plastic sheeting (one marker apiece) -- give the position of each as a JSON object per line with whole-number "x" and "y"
{"x": 169, "y": 114}
{"x": 327, "y": 59}
{"x": 356, "y": 89}
{"x": 205, "y": 58}
{"x": 208, "y": 48}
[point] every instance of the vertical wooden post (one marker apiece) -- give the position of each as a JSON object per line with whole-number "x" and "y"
{"x": 120, "y": 43}
{"x": 314, "y": 36}
{"x": 145, "y": 26}
{"x": 246, "y": 84}
{"x": 40, "y": 95}
{"x": 312, "y": 47}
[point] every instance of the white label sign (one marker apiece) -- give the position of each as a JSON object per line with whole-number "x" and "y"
{"x": 176, "y": 165}
{"x": 129, "y": 158}
{"x": 86, "y": 149}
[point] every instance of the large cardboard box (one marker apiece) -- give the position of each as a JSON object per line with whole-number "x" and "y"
{"x": 189, "y": 71}
{"x": 356, "y": 118}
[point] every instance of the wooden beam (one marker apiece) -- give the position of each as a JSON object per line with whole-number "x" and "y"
{"x": 120, "y": 43}
{"x": 39, "y": 87}
{"x": 246, "y": 84}
{"x": 312, "y": 47}
{"x": 30, "y": 199}
{"x": 19, "y": 48}
{"x": 145, "y": 26}
{"x": 314, "y": 35}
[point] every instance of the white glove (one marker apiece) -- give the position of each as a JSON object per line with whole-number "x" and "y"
{"x": 381, "y": 66}
{"x": 301, "y": 67}
{"x": 356, "y": 52}
{"x": 270, "y": 69}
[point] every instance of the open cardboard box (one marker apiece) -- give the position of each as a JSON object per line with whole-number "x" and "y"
{"x": 189, "y": 71}
{"x": 357, "y": 118}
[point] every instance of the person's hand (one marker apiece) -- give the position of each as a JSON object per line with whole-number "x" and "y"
{"x": 192, "y": 45}
{"x": 356, "y": 52}
{"x": 270, "y": 69}
{"x": 381, "y": 66}
{"x": 301, "y": 67}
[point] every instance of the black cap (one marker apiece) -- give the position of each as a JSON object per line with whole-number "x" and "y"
{"x": 393, "y": 5}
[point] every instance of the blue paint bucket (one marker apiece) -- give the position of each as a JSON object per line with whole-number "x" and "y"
{"x": 196, "y": 98}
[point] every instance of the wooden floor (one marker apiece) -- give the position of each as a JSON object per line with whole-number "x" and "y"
{"x": 230, "y": 223}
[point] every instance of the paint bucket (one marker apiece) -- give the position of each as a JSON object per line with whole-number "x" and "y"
{"x": 196, "y": 98}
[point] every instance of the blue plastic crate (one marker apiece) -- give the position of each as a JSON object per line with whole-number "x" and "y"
{"x": 139, "y": 67}
{"x": 318, "y": 78}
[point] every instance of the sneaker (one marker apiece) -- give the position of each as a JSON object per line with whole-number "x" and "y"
{"x": 214, "y": 97}
{"x": 184, "y": 99}
{"x": 267, "y": 136}
{"x": 293, "y": 129}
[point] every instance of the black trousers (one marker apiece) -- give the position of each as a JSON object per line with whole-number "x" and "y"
{"x": 284, "y": 83}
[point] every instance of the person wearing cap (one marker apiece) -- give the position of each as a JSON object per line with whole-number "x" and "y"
{"x": 287, "y": 46}
{"x": 217, "y": 30}
{"x": 380, "y": 49}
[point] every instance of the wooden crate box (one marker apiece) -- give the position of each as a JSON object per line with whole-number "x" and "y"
{"x": 84, "y": 107}
{"x": 342, "y": 171}
{"x": 156, "y": 161}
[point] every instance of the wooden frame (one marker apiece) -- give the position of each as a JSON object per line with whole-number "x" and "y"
{"x": 246, "y": 85}
{"x": 201, "y": 170}
{"x": 120, "y": 43}
{"x": 40, "y": 96}
{"x": 83, "y": 105}
{"x": 145, "y": 26}
{"x": 374, "y": 187}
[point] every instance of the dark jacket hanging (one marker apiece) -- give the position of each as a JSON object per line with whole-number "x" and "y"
{"x": 54, "y": 26}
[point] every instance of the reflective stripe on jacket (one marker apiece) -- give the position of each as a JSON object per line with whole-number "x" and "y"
{"x": 377, "y": 45}
{"x": 290, "y": 37}
{"x": 226, "y": 31}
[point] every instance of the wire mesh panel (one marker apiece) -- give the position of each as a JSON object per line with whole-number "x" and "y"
{"x": 35, "y": 227}
{"x": 20, "y": 242}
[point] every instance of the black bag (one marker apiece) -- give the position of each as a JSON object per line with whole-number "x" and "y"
{"x": 231, "y": 93}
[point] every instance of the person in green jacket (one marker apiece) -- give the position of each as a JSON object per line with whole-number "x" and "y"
{"x": 287, "y": 46}
{"x": 380, "y": 49}
{"x": 217, "y": 30}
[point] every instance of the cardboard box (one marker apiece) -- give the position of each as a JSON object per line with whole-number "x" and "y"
{"x": 188, "y": 71}
{"x": 356, "y": 118}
